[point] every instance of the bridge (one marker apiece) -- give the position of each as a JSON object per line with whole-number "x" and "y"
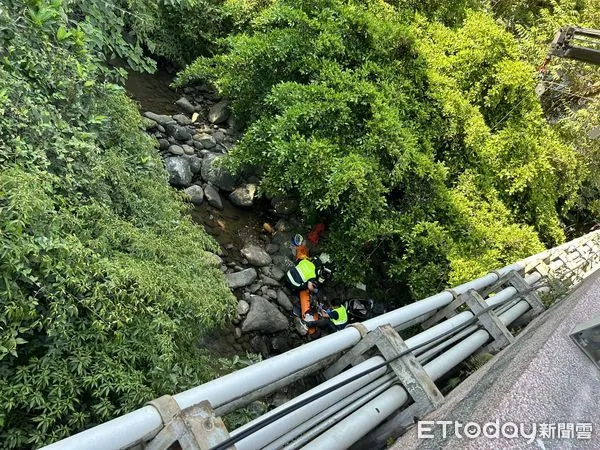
{"x": 375, "y": 382}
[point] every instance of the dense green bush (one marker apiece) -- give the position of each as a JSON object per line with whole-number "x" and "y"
{"x": 423, "y": 147}
{"x": 105, "y": 285}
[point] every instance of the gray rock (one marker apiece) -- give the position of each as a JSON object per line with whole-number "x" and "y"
{"x": 272, "y": 249}
{"x": 264, "y": 317}
{"x": 182, "y": 135}
{"x": 237, "y": 332}
{"x": 185, "y": 105}
{"x": 218, "y": 136}
{"x": 277, "y": 273}
{"x": 284, "y": 301}
{"x": 243, "y": 196}
{"x": 196, "y": 194}
{"x": 256, "y": 255}
{"x": 195, "y": 164}
{"x": 219, "y": 112}
{"x": 187, "y": 149}
{"x": 179, "y": 171}
{"x": 265, "y": 270}
{"x": 280, "y": 344}
{"x": 161, "y": 119}
{"x": 251, "y": 298}
{"x": 176, "y": 150}
{"x": 163, "y": 144}
{"x": 271, "y": 294}
{"x": 212, "y": 196}
{"x": 283, "y": 262}
{"x": 205, "y": 140}
{"x": 218, "y": 176}
{"x": 243, "y": 307}
{"x": 171, "y": 128}
{"x": 269, "y": 281}
{"x": 253, "y": 289}
{"x": 182, "y": 119}
{"x": 240, "y": 279}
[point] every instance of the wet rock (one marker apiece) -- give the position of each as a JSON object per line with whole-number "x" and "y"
{"x": 161, "y": 119}
{"x": 176, "y": 150}
{"x": 240, "y": 279}
{"x": 277, "y": 273}
{"x": 182, "y": 119}
{"x": 243, "y": 307}
{"x": 243, "y": 196}
{"x": 256, "y": 255}
{"x": 219, "y": 112}
{"x": 205, "y": 140}
{"x": 195, "y": 164}
{"x": 185, "y": 105}
{"x": 264, "y": 317}
{"x": 196, "y": 194}
{"x": 179, "y": 171}
{"x": 212, "y": 196}
{"x": 216, "y": 175}
{"x": 284, "y": 301}
{"x": 272, "y": 249}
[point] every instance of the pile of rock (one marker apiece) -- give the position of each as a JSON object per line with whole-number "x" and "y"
{"x": 192, "y": 145}
{"x": 192, "y": 148}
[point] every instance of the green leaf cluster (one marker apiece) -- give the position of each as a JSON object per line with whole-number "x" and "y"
{"x": 422, "y": 145}
{"x": 105, "y": 284}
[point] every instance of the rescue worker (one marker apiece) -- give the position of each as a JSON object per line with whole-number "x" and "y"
{"x": 334, "y": 318}
{"x": 304, "y": 275}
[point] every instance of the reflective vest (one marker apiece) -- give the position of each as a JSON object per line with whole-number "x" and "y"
{"x": 342, "y": 316}
{"x": 304, "y": 271}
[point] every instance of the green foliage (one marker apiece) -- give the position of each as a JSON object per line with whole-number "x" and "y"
{"x": 423, "y": 146}
{"x": 105, "y": 285}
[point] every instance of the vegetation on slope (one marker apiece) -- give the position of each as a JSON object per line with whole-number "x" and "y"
{"x": 105, "y": 285}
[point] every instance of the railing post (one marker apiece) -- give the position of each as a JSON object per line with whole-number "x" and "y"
{"x": 194, "y": 428}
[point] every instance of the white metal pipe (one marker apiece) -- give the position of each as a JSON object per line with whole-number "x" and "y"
{"x": 355, "y": 400}
{"x": 274, "y": 430}
{"x": 331, "y": 421}
{"x": 431, "y": 353}
{"x": 359, "y": 423}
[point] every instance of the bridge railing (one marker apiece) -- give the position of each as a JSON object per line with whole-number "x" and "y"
{"x": 496, "y": 300}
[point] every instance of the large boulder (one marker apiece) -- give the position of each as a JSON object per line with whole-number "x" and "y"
{"x": 218, "y": 176}
{"x": 256, "y": 255}
{"x": 284, "y": 301}
{"x": 185, "y": 105}
{"x": 219, "y": 112}
{"x": 264, "y": 317}
{"x": 196, "y": 194}
{"x": 213, "y": 197}
{"x": 240, "y": 279}
{"x": 179, "y": 171}
{"x": 243, "y": 196}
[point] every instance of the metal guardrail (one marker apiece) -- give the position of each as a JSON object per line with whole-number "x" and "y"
{"x": 342, "y": 417}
